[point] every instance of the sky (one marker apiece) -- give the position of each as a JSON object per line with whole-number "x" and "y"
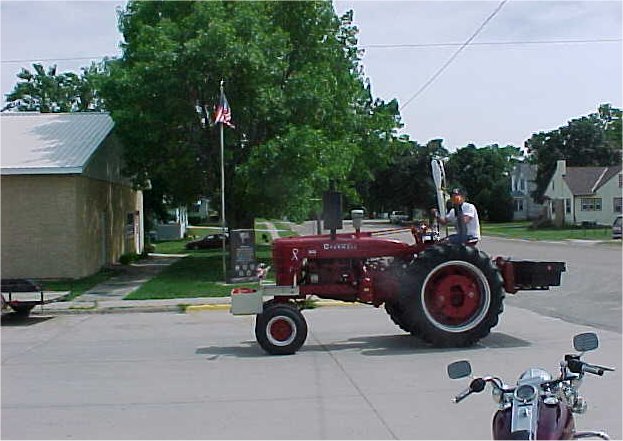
{"x": 480, "y": 72}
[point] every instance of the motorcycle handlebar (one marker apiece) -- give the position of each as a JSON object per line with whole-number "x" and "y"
{"x": 477, "y": 385}
{"x": 595, "y": 370}
{"x": 580, "y": 367}
{"x": 460, "y": 397}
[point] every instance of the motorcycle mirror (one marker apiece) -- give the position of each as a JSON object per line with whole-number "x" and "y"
{"x": 459, "y": 369}
{"x": 585, "y": 342}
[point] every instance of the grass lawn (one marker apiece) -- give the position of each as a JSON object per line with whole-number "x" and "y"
{"x": 200, "y": 274}
{"x": 284, "y": 229}
{"x": 79, "y": 286}
{"x": 521, "y": 230}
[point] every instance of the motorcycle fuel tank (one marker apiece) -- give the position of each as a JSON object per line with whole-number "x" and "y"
{"x": 555, "y": 421}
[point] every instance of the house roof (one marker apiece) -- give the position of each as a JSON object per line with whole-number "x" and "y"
{"x": 587, "y": 180}
{"x": 50, "y": 143}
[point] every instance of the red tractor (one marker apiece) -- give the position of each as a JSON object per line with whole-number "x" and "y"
{"x": 447, "y": 294}
{"x": 450, "y": 295}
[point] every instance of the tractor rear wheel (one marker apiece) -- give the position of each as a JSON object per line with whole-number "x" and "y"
{"x": 280, "y": 329}
{"x": 392, "y": 307}
{"x": 452, "y": 295}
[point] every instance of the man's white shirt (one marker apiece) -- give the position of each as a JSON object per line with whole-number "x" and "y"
{"x": 473, "y": 226}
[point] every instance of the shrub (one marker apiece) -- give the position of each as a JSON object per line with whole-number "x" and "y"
{"x": 128, "y": 258}
{"x": 196, "y": 220}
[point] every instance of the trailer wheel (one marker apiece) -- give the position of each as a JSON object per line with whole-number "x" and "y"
{"x": 22, "y": 310}
{"x": 280, "y": 329}
{"x": 452, "y": 295}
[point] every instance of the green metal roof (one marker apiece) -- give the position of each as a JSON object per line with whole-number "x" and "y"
{"x": 50, "y": 143}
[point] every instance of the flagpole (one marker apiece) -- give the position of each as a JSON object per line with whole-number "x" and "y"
{"x": 223, "y": 195}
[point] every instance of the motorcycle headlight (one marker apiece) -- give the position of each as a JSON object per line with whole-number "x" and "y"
{"x": 526, "y": 393}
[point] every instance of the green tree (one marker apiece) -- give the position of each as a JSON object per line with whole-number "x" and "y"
{"x": 407, "y": 183}
{"x": 484, "y": 173}
{"x": 302, "y": 112}
{"x": 43, "y": 90}
{"x": 593, "y": 140}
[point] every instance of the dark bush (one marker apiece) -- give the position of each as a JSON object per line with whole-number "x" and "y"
{"x": 196, "y": 220}
{"x": 128, "y": 258}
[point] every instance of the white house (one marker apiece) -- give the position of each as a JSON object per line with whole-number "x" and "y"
{"x": 175, "y": 227}
{"x": 585, "y": 194}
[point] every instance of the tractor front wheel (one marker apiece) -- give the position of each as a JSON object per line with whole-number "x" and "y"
{"x": 452, "y": 296}
{"x": 280, "y": 329}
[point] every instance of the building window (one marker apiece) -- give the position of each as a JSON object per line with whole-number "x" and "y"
{"x": 617, "y": 205}
{"x": 620, "y": 180}
{"x": 591, "y": 204}
{"x": 568, "y": 206}
{"x": 129, "y": 225}
{"x": 522, "y": 184}
{"x": 518, "y": 204}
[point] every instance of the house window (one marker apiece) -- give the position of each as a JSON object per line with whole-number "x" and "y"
{"x": 617, "y": 205}
{"x": 591, "y": 204}
{"x": 522, "y": 184}
{"x": 568, "y": 206}
{"x": 518, "y": 204}
{"x": 620, "y": 180}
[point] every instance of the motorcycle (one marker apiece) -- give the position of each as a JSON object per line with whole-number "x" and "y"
{"x": 538, "y": 406}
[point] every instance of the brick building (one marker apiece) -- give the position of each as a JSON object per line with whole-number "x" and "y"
{"x": 67, "y": 210}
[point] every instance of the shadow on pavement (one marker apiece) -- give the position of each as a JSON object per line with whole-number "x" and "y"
{"x": 247, "y": 349}
{"x": 368, "y": 345}
{"x": 14, "y": 319}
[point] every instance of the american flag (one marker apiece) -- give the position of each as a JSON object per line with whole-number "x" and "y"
{"x": 222, "y": 113}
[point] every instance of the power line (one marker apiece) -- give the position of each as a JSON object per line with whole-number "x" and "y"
{"x": 376, "y": 46}
{"x": 458, "y": 51}
{"x": 56, "y": 59}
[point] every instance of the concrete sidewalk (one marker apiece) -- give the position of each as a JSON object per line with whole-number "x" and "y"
{"x": 107, "y": 296}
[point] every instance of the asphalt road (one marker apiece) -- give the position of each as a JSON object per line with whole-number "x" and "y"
{"x": 202, "y": 376}
{"x": 591, "y": 289}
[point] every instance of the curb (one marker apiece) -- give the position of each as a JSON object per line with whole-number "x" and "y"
{"x": 195, "y": 308}
{"x": 101, "y": 308}
{"x": 222, "y": 306}
{"x": 108, "y": 310}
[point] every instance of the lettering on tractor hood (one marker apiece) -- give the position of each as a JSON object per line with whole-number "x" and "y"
{"x": 339, "y": 246}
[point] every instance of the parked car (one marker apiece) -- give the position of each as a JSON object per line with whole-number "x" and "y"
{"x": 396, "y": 217}
{"x": 616, "y": 228}
{"x": 209, "y": 241}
